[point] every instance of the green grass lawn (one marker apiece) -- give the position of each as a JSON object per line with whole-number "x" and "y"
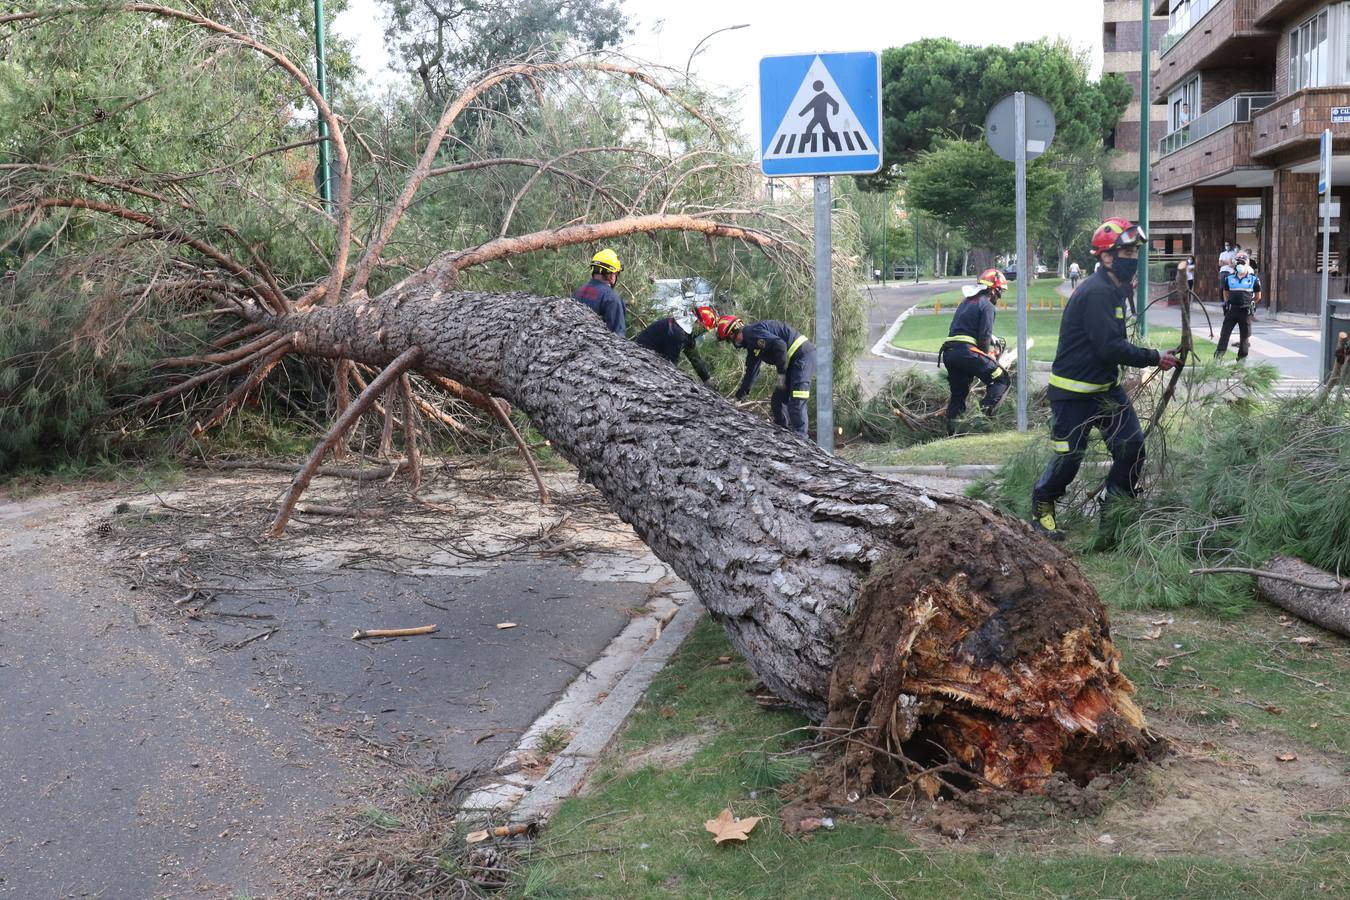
{"x": 1044, "y": 292}
{"x": 928, "y": 332}
{"x": 639, "y": 832}
{"x": 968, "y": 449}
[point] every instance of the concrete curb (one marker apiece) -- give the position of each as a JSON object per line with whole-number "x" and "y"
{"x": 883, "y": 346}
{"x": 573, "y": 764}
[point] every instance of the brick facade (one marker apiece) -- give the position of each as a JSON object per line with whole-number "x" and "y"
{"x": 1217, "y": 85}
{"x": 1226, "y": 35}
{"x": 1293, "y": 126}
{"x": 1221, "y": 153}
{"x": 1293, "y": 237}
{"x": 1214, "y": 224}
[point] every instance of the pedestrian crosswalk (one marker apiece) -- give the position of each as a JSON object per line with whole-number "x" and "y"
{"x": 852, "y": 141}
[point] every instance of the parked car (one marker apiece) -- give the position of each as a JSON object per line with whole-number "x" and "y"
{"x": 1011, "y": 271}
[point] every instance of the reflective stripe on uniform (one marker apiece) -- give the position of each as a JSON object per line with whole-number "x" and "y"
{"x": 1061, "y": 446}
{"x": 963, "y": 338}
{"x": 801, "y": 395}
{"x": 801, "y": 339}
{"x": 1120, "y": 312}
{"x": 1079, "y": 387}
{"x": 998, "y": 370}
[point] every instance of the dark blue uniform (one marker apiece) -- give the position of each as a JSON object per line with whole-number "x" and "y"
{"x": 966, "y": 356}
{"x": 788, "y": 351}
{"x": 606, "y": 303}
{"x": 667, "y": 338}
{"x": 1085, "y": 392}
{"x": 1237, "y": 310}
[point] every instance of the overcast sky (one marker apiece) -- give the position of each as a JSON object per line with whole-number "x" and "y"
{"x": 667, "y": 31}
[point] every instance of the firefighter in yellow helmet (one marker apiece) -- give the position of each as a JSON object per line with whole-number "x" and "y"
{"x": 599, "y": 293}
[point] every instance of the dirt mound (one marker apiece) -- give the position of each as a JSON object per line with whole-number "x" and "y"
{"x": 1213, "y": 796}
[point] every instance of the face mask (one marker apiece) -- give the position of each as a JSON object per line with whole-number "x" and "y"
{"x": 1124, "y": 269}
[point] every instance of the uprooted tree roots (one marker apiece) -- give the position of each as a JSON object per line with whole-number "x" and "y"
{"x": 999, "y": 675}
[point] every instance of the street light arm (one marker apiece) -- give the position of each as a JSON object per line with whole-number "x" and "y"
{"x": 704, "y": 41}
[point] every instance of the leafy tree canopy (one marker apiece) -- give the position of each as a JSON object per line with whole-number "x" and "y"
{"x": 963, "y": 184}
{"x": 444, "y": 40}
{"x": 936, "y": 88}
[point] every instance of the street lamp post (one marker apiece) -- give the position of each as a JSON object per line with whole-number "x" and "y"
{"x": 705, "y": 38}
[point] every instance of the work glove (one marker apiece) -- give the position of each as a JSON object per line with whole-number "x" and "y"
{"x": 1168, "y": 360}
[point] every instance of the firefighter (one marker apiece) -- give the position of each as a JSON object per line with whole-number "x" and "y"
{"x": 969, "y": 351}
{"x": 599, "y": 293}
{"x": 1241, "y": 292}
{"x": 788, "y": 351}
{"x": 1085, "y": 391}
{"x": 673, "y": 335}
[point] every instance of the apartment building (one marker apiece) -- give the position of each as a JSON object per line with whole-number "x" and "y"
{"x": 1169, "y": 217}
{"x": 1245, "y": 89}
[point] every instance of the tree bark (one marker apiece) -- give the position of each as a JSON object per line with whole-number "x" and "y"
{"x": 869, "y": 602}
{"x": 1327, "y": 606}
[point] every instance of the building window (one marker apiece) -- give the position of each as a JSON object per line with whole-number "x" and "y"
{"x": 1183, "y": 104}
{"x": 1309, "y": 54}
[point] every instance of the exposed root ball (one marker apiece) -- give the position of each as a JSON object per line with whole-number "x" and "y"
{"x": 980, "y": 653}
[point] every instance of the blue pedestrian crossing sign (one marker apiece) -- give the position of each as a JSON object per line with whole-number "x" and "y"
{"x": 820, "y": 114}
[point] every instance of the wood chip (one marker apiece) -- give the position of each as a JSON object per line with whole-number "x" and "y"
{"x": 504, "y": 625}
{"x": 1287, "y": 757}
{"x": 360, "y": 634}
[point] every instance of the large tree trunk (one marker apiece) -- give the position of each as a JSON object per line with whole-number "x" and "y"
{"x": 860, "y": 600}
{"x": 1312, "y": 594}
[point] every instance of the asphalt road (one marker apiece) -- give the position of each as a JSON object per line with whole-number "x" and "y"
{"x": 885, "y": 304}
{"x": 151, "y": 754}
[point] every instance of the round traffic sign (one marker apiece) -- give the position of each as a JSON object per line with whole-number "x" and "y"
{"x": 1000, "y": 125}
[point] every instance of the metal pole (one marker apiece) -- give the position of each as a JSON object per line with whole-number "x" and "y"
{"x": 917, "y": 265}
{"x": 1327, "y": 337}
{"x": 1145, "y": 69}
{"x": 1024, "y": 271}
{"x": 885, "y": 240}
{"x": 824, "y": 318}
{"x": 321, "y": 82}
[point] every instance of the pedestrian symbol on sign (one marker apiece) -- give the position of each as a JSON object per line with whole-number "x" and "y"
{"x": 819, "y": 122}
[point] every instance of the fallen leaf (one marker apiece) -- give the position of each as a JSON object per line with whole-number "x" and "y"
{"x": 503, "y": 625}
{"x": 1287, "y": 757}
{"x": 806, "y": 826}
{"x": 1151, "y": 635}
{"x": 666, "y": 712}
{"x": 1285, "y": 620}
{"x": 1274, "y": 710}
{"x": 475, "y": 837}
{"x": 1162, "y": 621}
{"x": 1305, "y": 640}
{"x": 1162, "y": 662}
{"x": 1106, "y": 839}
{"x": 1315, "y": 725}
{"x": 1189, "y": 669}
{"x": 727, "y": 827}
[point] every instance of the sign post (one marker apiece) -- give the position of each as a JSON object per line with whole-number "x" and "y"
{"x": 1020, "y": 127}
{"x": 1324, "y": 191}
{"x": 820, "y": 115}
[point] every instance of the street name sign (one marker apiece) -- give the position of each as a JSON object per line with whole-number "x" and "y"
{"x": 820, "y": 114}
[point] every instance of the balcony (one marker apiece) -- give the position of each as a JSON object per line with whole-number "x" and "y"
{"x": 1227, "y": 35}
{"x": 1238, "y": 108}
{"x": 1291, "y": 128}
{"x": 1185, "y": 22}
{"x": 1214, "y": 148}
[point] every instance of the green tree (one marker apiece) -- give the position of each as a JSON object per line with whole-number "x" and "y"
{"x": 961, "y": 183}
{"x": 935, "y": 89}
{"x": 1076, "y": 209}
{"x": 445, "y": 42}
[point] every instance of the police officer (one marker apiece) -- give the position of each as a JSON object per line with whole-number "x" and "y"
{"x": 788, "y": 351}
{"x": 1085, "y": 391}
{"x": 1241, "y": 292}
{"x": 968, "y": 352}
{"x": 673, "y": 335}
{"x": 599, "y": 293}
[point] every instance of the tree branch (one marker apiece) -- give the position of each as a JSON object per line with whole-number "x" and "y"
{"x": 405, "y": 361}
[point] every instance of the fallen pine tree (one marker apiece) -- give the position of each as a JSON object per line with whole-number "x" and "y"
{"x": 931, "y": 632}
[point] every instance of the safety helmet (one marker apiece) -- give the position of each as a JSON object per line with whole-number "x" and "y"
{"x": 607, "y": 260}
{"x": 1116, "y": 232}
{"x": 993, "y": 279}
{"x": 707, "y": 316}
{"x": 727, "y": 327}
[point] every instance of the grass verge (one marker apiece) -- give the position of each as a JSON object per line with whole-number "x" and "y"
{"x": 927, "y": 333}
{"x": 698, "y": 745}
{"x": 969, "y": 449}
